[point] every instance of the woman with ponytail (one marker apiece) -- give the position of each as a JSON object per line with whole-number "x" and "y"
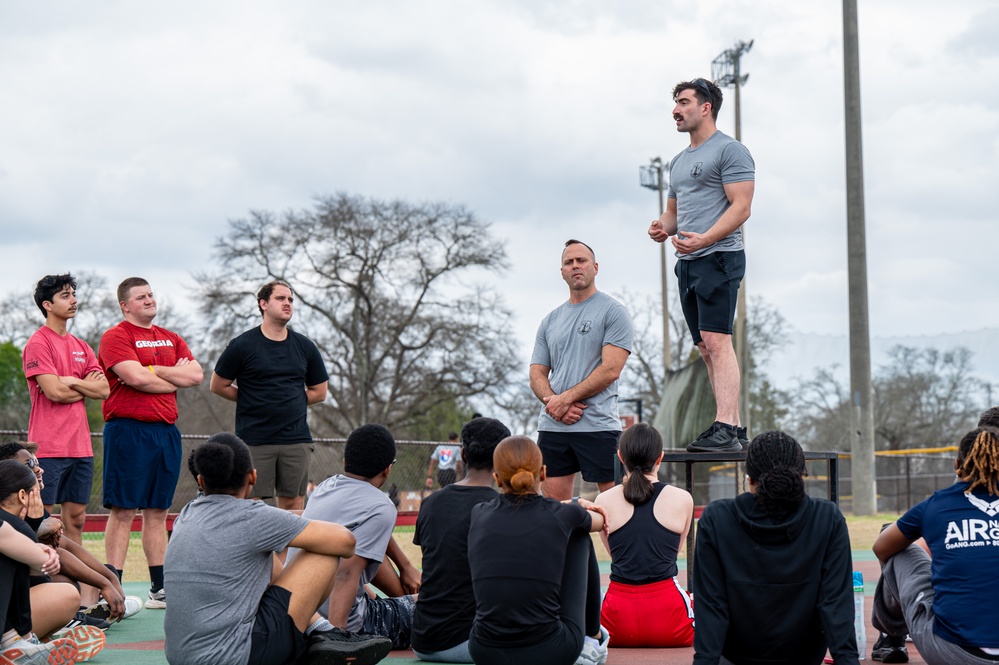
{"x": 773, "y": 574}
{"x": 534, "y": 572}
{"x": 949, "y": 609}
{"x": 644, "y": 605}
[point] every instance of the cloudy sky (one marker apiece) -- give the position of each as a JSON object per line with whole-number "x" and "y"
{"x": 130, "y": 132}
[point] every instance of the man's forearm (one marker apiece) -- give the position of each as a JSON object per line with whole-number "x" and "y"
{"x": 92, "y": 389}
{"x": 181, "y": 376}
{"x": 596, "y": 381}
{"x": 539, "y": 382}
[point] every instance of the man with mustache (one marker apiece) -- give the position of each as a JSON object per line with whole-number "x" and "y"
{"x": 711, "y": 186}
{"x": 273, "y": 374}
{"x": 62, "y": 371}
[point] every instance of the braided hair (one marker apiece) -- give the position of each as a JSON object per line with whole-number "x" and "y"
{"x": 640, "y": 447}
{"x": 776, "y": 462}
{"x": 981, "y": 465}
{"x": 479, "y": 437}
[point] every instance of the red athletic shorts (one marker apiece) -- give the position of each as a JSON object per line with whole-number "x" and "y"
{"x": 648, "y": 615}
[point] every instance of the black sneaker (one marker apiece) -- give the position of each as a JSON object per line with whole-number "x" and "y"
{"x": 338, "y": 647}
{"x": 85, "y": 619}
{"x": 890, "y": 649}
{"x": 743, "y": 436}
{"x": 718, "y": 438}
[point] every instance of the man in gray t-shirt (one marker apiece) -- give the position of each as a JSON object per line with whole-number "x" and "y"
{"x": 579, "y": 352}
{"x": 710, "y": 194}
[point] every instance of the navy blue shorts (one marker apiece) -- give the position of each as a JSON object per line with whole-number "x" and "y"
{"x": 592, "y": 453}
{"x": 709, "y": 291}
{"x": 141, "y": 464}
{"x": 67, "y": 479}
{"x": 275, "y": 637}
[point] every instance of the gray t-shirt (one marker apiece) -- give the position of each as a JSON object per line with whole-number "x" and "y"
{"x": 697, "y": 179}
{"x": 370, "y": 516}
{"x": 218, "y": 565}
{"x": 447, "y": 457}
{"x": 570, "y": 341}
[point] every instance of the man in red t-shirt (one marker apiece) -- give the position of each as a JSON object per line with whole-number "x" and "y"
{"x": 62, "y": 372}
{"x": 145, "y": 366}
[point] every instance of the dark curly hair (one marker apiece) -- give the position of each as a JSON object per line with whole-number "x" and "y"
{"x": 989, "y": 417}
{"x": 223, "y": 462}
{"x": 370, "y": 450}
{"x": 776, "y": 462}
{"x": 479, "y": 438}
{"x": 48, "y": 286}
{"x": 10, "y": 449}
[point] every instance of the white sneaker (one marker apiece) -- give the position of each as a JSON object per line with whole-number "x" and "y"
{"x": 133, "y": 605}
{"x": 594, "y": 651}
{"x": 157, "y": 600}
{"x": 32, "y": 652}
{"x": 89, "y": 640}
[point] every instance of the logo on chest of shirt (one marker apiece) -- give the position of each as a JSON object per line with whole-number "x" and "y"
{"x": 446, "y": 456}
{"x": 697, "y": 170}
{"x": 78, "y": 357}
{"x": 152, "y": 343}
{"x": 585, "y": 327}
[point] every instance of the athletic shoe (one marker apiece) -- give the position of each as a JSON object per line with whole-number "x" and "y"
{"x": 81, "y": 619}
{"x": 716, "y": 439}
{"x": 890, "y": 649}
{"x": 338, "y": 647}
{"x": 741, "y": 434}
{"x": 133, "y": 605}
{"x": 89, "y": 641}
{"x": 33, "y": 652}
{"x": 157, "y": 600}
{"x": 594, "y": 651}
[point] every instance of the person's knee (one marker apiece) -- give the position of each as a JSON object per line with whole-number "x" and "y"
{"x": 714, "y": 343}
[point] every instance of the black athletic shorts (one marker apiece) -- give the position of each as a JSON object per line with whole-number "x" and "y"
{"x": 275, "y": 637}
{"x": 592, "y": 453}
{"x": 709, "y": 291}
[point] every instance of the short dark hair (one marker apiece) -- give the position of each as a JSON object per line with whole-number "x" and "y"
{"x": 267, "y": 290}
{"x": 223, "y": 462}
{"x": 15, "y": 477}
{"x": 127, "y": 285}
{"x": 10, "y": 449}
{"x": 573, "y": 241}
{"x": 370, "y": 450}
{"x": 479, "y": 438}
{"x": 48, "y": 286}
{"x": 707, "y": 92}
{"x": 990, "y": 418}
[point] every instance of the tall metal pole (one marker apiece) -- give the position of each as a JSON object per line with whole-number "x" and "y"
{"x": 726, "y": 69}
{"x": 861, "y": 413}
{"x": 651, "y": 176}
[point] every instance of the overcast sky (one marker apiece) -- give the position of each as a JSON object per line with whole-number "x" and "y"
{"x": 130, "y": 132}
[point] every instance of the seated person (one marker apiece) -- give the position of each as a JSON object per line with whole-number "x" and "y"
{"x": 949, "y": 609}
{"x": 644, "y": 605}
{"x": 773, "y": 576}
{"x": 354, "y": 499}
{"x": 446, "y": 607}
{"x": 230, "y": 599}
{"x": 534, "y": 571}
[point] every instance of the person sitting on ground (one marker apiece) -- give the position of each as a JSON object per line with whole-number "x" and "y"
{"x": 645, "y": 605}
{"x": 534, "y": 571}
{"x": 230, "y": 599}
{"x": 354, "y": 498}
{"x": 77, "y": 565}
{"x": 949, "y": 608}
{"x": 446, "y": 607}
{"x": 21, "y": 557}
{"x": 773, "y": 576}
{"x": 52, "y": 604}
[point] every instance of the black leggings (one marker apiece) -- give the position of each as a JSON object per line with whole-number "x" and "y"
{"x": 15, "y": 596}
{"x": 580, "y": 611}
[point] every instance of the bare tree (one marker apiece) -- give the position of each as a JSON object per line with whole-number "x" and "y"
{"x": 387, "y": 292}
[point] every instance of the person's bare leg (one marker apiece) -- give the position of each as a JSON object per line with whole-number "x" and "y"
{"x": 89, "y": 595}
{"x": 290, "y": 502}
{"x": 52, "y": 606}
{"x": 706, "y": 357}
{"x": 309, "y": 578}
{"x": 154, "y": 538}
{"x": 558, "y": 487}
{"x": 73, "y": 515}
{"x": 603, "y": 487}
{"x": 725, "y": 369}
{"x": 116, "y": 535}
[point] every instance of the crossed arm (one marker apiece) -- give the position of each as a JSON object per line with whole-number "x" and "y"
{"x": 69, "y": 389}
{"x": 159, "y": 379}
{"x": 567, "y": 407}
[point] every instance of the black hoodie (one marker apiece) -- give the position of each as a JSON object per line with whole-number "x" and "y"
{"x": 773, "y": 590}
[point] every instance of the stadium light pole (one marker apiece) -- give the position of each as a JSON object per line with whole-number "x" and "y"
{"x": 726, "y": 70}
{"x": 651, "y": 176}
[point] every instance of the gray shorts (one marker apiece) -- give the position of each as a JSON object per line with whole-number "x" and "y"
{"x": 282, "y": 469}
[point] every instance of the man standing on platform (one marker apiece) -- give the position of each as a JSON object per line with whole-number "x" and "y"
{"x": 711, "y": 186}
{"x": 146, "y": 365}
{"x": 62, "y": 371}
{"x": 579, "y": 352}
{"x": 273, "y": 374}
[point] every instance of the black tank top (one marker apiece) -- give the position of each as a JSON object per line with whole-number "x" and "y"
{"x": 643, "y": 551}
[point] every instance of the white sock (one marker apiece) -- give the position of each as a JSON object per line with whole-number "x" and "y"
{"x": 9, "y": 638}
{"x": 318, "y": 624}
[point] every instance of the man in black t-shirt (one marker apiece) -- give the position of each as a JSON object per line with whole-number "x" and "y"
{"x": 446, "y": 606}
{"x": 273, "y": 374}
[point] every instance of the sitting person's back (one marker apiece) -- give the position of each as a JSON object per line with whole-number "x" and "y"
{"x": 446, "y": 607}
{"x": 772, "y": 569}
{"x": 644, "y": 605}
